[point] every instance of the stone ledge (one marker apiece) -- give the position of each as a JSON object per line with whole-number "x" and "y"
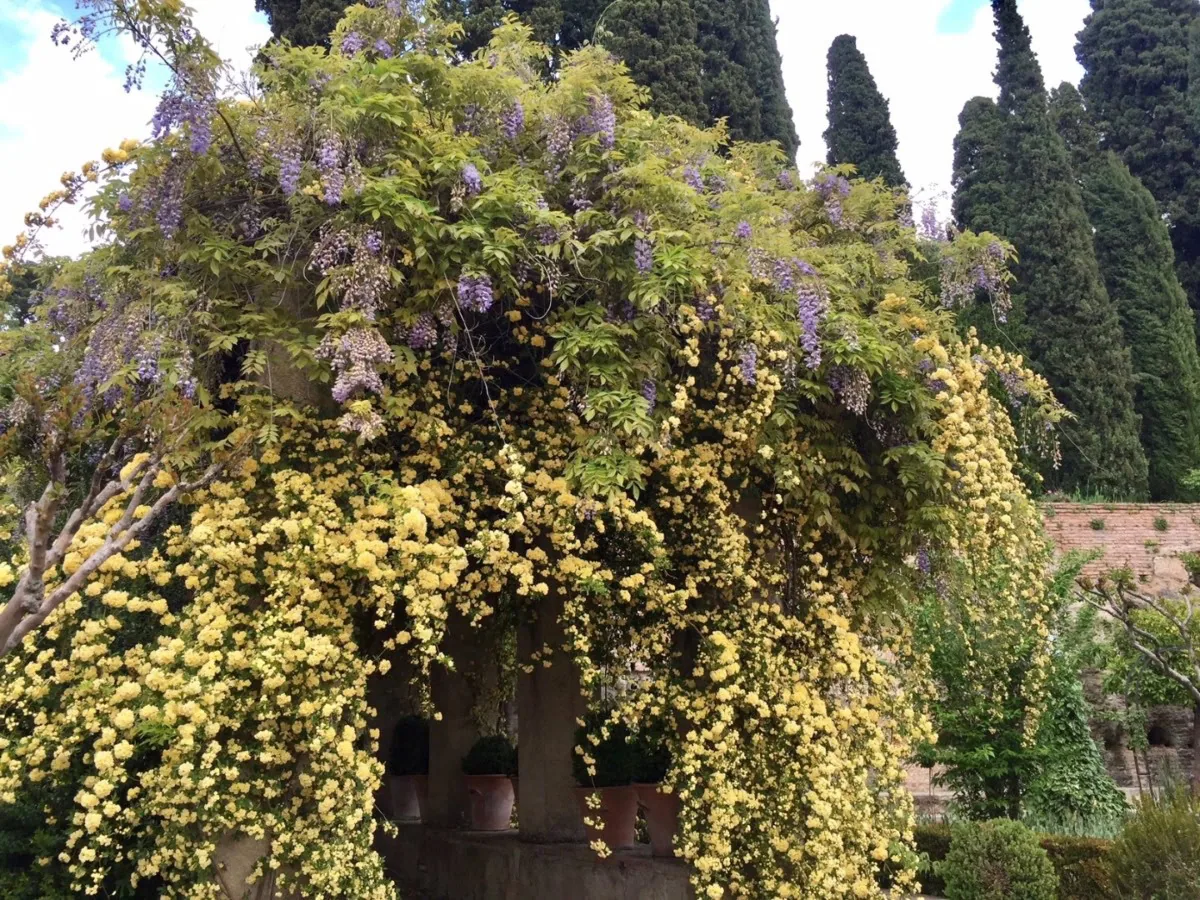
{"x": 442, "y": 864}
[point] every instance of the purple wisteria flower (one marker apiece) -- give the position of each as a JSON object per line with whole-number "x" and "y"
{"x": 786, "y": 181}
{"x": 811, "y": 307}
{"x": 931, "y": 229}
{"x": 355, "y": 357}
{"x": 169, "y": 212}
{"x": 601, "y": 120}
{"x": 833, "y": 190}
{"x": 852, "y": 386}
{"x": 749, "y": 364}
{"x": 692, "y": 176}
{"x": 924, "y": 564}
{"x": 124, "y": 202}
{"x": 352, "y": 43}
{"x": 512, "y": 121}
{"x": 743, "y": 231}
{"x": 383, "y": 49}
{"x": 288, "y": 157}
{"x": 650, "y": 393}
{"x": 423, "y": 334}
{"x": 471, "y": 179}
{"x": 475, "y": 293}
{"x": 329, "y": 163}
{"x": 643, "y": 256}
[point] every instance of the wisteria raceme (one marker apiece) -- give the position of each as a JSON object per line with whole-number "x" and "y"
{"x": 383, "y": 49}
{"x": 558, "y": 145}
{"x": 833, "y": 189}
{"x": 362, "y": 420}
{"x": 786, "y": 180}
{"x": 512, "y": 121}
{"x": 743, "y": 231}
{"x": 423, "y": 333}
{"x": 355, "y": 357}
{"x": 601, "y": 120}
{"x": 965, "y": 275}
{"x": 931, "y": 229}
{"x": 695, "y": 181}
{"x": 811, "y": 307}
{"x": 197, "y": 115}
{"x": 353, "y": 263}
{"x": 643, "y": 256}
{"x": 329, "y": 163}
{"x": 475, "y": 293}
{"x": 288, "y": 157}
{"x": 924, "y": 564}
{"x": 124, "y": 202}
{"x": 352, "y": 43}
{"x": 852, "y": 386}
{"x": 471, "y": 179}
{"x": 650, "y": 393}
{"x": 705, "y": 311}
{"x": 169, "y": 200}
{"x": 748, "y": 364}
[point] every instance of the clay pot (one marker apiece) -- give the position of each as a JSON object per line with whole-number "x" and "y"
{"x": 617, "y": 812}
{"x": 410, "y": 793}
{"x": 491, "y": 802}
{"x": 662, "y": 817}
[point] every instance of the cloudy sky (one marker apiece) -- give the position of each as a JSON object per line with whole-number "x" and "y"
{"x": 928, "y": 56}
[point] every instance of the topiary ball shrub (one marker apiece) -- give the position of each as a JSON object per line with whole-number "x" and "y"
{"x": 651, "y": 758}
{"x": 492, "y": 754}
{"x": 608, "y": 759}
{"x": 997, "y": 860}
{"x": 410, "y": 747}
{"x": 1157, "y": 855}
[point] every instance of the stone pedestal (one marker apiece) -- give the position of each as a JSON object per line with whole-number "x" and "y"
{"x": 548, "y": 702}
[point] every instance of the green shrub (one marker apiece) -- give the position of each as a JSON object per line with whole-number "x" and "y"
{"x": 609, "y": 745}
{"x": 650, "y": 758}
{"x": 997, "y": 860}
{"x": 492, "y": 754}
{"x": 410, "y": 747}
{"x": 1157, "y": 856}
{"x": 1081, "y": 863}
{"x": 1082, "y": 866}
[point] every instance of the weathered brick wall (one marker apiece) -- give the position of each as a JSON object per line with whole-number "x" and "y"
{"x": 1145, "y": 537}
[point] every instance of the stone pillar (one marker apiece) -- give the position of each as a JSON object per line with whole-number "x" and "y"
{"x": 548, "y": 703}
{"x": 452, "y": 737}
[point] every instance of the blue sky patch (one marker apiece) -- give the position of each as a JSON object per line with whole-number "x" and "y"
{"x": 958, "y": 16}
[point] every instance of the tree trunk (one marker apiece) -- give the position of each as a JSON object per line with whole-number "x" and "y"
{"x": 1196, "y": 748}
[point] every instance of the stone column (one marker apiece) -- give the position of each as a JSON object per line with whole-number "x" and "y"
{"x": 548, "y": 703}
{"x": 452, "y": 737}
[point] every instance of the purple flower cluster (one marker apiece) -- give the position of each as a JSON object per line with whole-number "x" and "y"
{"x": 287, "y": 156}
{"x": 475, "y": 293}
{"x": 743, "y": 231}
{"x": 355, "y": 357}
{"x": 352, "y": 43}
{"x": 169, "y": 200}
{"x": 192, "y": 106}
{"x": 643, "y": 256}
{"x": 650, "y": 394}
{"x": 601, "y": 120}
{"x": 811, "y": 307}
{"x": 931, "y": 229}
{"x": 329, "y": 164}
{"x": 383, "y": 49}
{"x": 424, "y": 333}
{"x": 833, "y": 190}
{"x": 691, "y": 175}
{"x": 471, "y": 179}
{"x": 512, "y": 120}
{"x": 852, "y": 387}
{"x": 558, "y": 145}
{"x": 705, "y": 311}
{"x": 354, "y": 263}
{"x": 924, "y": 564}
{"x": 786, "y": 181}
{"x": 963, "y": 277}
{"x": 748, "y": 364}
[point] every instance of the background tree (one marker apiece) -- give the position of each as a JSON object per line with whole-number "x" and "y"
{"x": 1136, "y": 84}
{"x": 305, "y": 23}
{"x": 1133, "y": 247}
{"x": 860, "y": 126}
{"x": 1164, "y": 631}
{"x": 1074, "y": 335}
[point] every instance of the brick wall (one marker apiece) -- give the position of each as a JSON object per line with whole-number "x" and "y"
{"x": 1128, "y": 536}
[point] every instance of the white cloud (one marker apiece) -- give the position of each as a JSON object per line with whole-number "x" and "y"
{"x": 927, "y": 76}
{"x": 56, "y": 113}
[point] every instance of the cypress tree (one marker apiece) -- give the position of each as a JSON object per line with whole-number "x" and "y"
{"x": 860, "y": 126}
{"x": 1133, "y": 247}
{"x": 1135, "y": 54}
{"x": 659, "y": 41}
{"x": 305, "y": 23}
{"x": 1074, "y": 334}
{"x": 743, "y": 71}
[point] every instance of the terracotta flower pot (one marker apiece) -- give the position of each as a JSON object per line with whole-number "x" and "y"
{"x": 410, "y": 794}
{"x": 662, "y": 817}
{"x": 617, "y": 813}
{"x": 491, "y": 801}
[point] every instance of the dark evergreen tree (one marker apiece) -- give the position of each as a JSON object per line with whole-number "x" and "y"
{"x": 1028, "y": 194}
{"x": 1136, "y": 85}
{"x": 860, "y": 125}
{"x": 659, "y": 41}
{"x": 1133, "y": 247}
{"x": 743, "y": 71}
{"x": 306, "y": 23}
{"x": 701, "y": 59}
